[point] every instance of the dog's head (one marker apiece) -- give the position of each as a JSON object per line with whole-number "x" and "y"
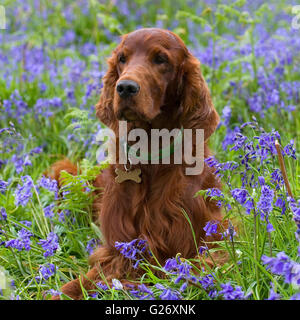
{"x": 151, "y": 73}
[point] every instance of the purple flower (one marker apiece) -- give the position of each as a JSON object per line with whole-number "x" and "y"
{"x": 266, "y": 200}
{"x": 20, "y": 162}
{"x": 3, "y": 186}
{"x": 266, "y": 144}
{"x": 22, "y": 242}
{"x": 46, "y": 271}
{"x": 231, "y": 293}
{"x": 54, "y": 292}
{"x": 242, "y": 197}
{"x": 168, "y": 293}
{"x": 211, "y": 228}
{"x": 261, "y": 181}
{"x": 143, "y": 292}
{"x": 102, "y": 286}
{"x": 3, "y": 214}
{"x": 239, "y": 141}
{"x": 23, "y": 193}
{"x": 48, "y": 211}
{"x": 207, "y": 282}
{"x": 182, "y": 269}
{"x": 49, "y": 184}
{"x": 230, "y": 232}
{"x": 272, "y": 294}
{"x": 26, "y": 223}
{"x": 202, "y": 249}
{"x": 92, "y": 245}
{"x": 226, "y": 115}
{"x": 276, "y": 178}
{"x": 50, "y": 245}
{"x": 221, "y": 167}
{"x": 296, "y": 296}
{"x": 63, "y": 215}
{"x": 214, "y": 192}
{"x": 270, "y": 227}
{"x": 284, "y": 266}
{"x": 132, "y": 250}
{"x": 280, "y": 203}
{"x": 289, "y": 150}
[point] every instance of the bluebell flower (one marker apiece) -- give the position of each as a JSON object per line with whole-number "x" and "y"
{"x": 54, "y": 292}
{"x": 207, "y": 282}
{"x": 143, "y": 292}
{"x": 229, "y": 232}
{"x": 3, "y": 214}
{"x": 46, "y": 271}
{"x": 182, "y": 269}
{"x": 26, "y": 223}
{"x": 23, "y": 193}
{"x": 226, "y": 115}
{"x": 132, "y": 250}
{"x": 239, "y": 141}
{"x": 221, "y": 168}
{"x": 102, "y": 286}
{"x": 22, "y": 242}
{"x": 168, "y": 293}
{"x": 242, "y": 197}
{"x": 3, "y": 186}
{"x": 277, "y": 179}
{"x": 92, "y": 245}
{"x": 296, "y": 296}
{"x": 202, "y": 249}
{"x": 214, "y": 192}
{"x": 48, "y": 211}
{"x": 272, "y": 294}
{"x": 284, "y": 266}
{"x": 50, "y": 245}
{"x": 63, "y": 215}
{"x": 280, "y": 203}
{"x": 289, "y": 150}
{"x": 231, "y": 293}
{"x": 210, "y": 228}
{"x": 49, "y": 184}
{"x": 265, "y": 203}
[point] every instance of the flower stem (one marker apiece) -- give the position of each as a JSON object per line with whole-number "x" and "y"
{"x": 282, "y": 168}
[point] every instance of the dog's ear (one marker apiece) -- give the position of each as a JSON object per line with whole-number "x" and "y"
{"x": 197, "y": 109}
{"x": 104, "y": 108}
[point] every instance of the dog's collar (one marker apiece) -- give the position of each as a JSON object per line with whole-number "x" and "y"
{"x": 131, "y": 152}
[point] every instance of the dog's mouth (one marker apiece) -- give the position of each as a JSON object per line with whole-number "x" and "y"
{"x": 130, "y": 115}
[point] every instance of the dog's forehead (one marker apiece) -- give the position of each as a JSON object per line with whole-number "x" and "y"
{"x": 149, "y": 36}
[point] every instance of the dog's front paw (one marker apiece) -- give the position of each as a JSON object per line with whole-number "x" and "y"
{"x": 71, "y": 289}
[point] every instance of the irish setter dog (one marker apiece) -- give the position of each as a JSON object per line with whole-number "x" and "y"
{"x": 152, "y": 81}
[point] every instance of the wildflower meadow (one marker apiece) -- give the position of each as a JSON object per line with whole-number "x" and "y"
{"x": 52, "y": 60}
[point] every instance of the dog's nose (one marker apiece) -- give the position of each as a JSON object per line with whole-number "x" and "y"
{"x": 127, "y": 88}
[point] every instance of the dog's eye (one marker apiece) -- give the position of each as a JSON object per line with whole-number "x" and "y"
{"x": 159, "y": 59}
{"x": 122, "y": 58}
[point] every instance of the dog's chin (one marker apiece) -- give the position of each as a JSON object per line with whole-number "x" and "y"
{"x": 131, "y": 116}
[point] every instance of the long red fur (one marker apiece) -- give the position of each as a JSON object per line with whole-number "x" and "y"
{"x": 153, "y": 209}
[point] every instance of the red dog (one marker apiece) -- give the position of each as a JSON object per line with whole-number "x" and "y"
{"x": 152, "y": 81}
